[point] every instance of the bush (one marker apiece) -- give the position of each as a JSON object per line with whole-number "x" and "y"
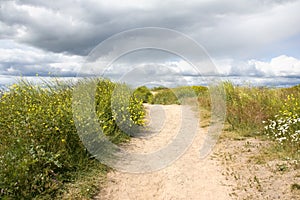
{"x": 200, "y": 90}
{"x": 158, "y": 88}
{"x": 40, "y": 148}
{"x": 177, "y": 95}
{"x": 144, "y": 94}
{"x": 165, "y": 97}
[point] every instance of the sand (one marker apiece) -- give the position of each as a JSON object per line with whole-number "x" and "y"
{"x": 189, "y": 177}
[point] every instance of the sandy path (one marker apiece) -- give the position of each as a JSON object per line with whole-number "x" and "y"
{"x": 187, "y": 178}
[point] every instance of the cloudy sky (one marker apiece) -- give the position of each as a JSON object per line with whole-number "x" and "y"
{"x": 255, "y": 41}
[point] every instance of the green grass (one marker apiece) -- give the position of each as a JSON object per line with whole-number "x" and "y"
{"x": 253, "y": 111}
{"x": 43, "y": 157}
{"x": 273, "y": 151}
{"x": 86, "y": 183}
{"x": 40, "y": 150}
{"x": 247, "y": 107}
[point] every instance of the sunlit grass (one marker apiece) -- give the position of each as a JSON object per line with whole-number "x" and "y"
{"x": 40, "y": 148}
{"x": 269, "y": 113}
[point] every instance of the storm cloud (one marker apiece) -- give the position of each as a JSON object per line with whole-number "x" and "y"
{"x": 243, "y": 38}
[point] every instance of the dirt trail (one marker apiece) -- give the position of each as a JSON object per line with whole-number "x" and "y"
{"x": 189, "y": 177}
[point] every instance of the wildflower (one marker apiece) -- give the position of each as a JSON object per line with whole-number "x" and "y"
{"x": 284, "y": 128}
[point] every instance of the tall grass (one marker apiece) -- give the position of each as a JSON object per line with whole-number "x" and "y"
{"x": 272, "y": 113}
{"x": 252, "y": 111}
{"x": 40, "y": 149}
{"x": 248, "y": 106}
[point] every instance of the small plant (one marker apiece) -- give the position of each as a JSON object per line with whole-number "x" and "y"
{"x": 285, "y": 126}
{"x": 282, "y": 167}
{"x": 258, "y": 186}
{"x": 295, "y": 186}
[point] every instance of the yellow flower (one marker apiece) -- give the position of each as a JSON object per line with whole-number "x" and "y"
{"x": 14, "y": 86}
{"x": 63, "y": 140}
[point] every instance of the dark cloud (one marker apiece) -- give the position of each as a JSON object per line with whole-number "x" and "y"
{"x": 21, "y": 69}
{"x": 75, "y": 27}
{"x": 21, "y": 60}
{"x": 55, "y": 36}
{"x": 242, "y": 69}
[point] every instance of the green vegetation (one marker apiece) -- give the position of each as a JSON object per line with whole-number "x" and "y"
{"x": 165, "y": 97}
{"x": 248, "y": 106}
{"x": 295, "y": 186}
{"x": 86, "y": 183}
{"x": 285, "y": 126}
{"x": 156, "y": 89}
{"x": 144, "y": 94}
{"x": 274, "y": 113}
{"x": 40, "y": 150}
{"x": 168, "y": 96}
{"x": 270, "y": 113}
{"x": 42, "y": 156}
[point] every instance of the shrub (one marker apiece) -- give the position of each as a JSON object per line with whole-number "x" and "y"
{"x": 159, "y": 88}
{"x": 165, "y": 97}
{"x": 177, "y": 95}
{"x": 144, "y": 94}
{"x": 38, "y": 140}
{"x": 40, "y": 148}
{"x": 200, "y": 90}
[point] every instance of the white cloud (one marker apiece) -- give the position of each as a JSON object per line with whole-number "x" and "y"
{"x": 279, "y": 66}
{"x": 18, "y": 59}
{"x": 47, "y": 36}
